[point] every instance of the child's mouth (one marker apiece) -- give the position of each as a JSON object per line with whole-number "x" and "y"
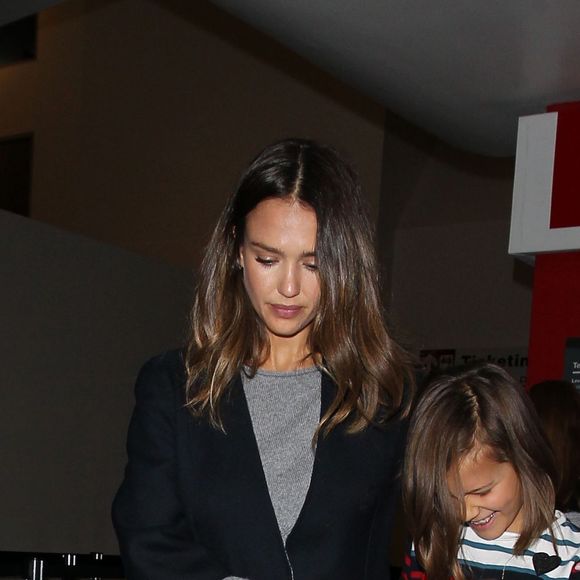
{"x": 483, "y": 523}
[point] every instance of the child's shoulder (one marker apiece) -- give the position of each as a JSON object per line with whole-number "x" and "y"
{"x": 566, "y": 536}
{"x": 479, "y": 554}
{"x": 566, "y": 530}
{"x": 573, "y": 518}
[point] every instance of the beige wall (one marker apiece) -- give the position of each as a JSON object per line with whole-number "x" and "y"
{"x": 444, "y": 228}
{"x": 145, "y": 112}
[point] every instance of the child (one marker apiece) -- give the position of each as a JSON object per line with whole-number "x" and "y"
{"x": 479, "y": 482}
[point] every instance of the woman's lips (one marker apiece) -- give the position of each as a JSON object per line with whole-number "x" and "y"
{"x": 483, "y": 523}
{"x": 283, "y": 311}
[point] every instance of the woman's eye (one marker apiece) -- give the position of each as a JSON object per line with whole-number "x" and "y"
{"x": 311, "y": 267}
{"x": 267, "y": 262}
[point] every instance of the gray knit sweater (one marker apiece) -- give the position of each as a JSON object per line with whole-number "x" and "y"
{"x": 285, "y": 411}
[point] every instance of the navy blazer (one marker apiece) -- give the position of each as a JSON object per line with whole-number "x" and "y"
{"x": 194, "y": 503}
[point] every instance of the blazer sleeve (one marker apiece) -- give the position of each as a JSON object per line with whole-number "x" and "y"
{"x": 155, "y": 537}
{"x": 378, "y": 565}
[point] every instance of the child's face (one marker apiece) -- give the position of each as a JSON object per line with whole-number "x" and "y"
{"x": 492, "y": 495}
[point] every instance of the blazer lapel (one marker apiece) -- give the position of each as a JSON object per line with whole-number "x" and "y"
{"x": 251, "y": 482}
{"x": 243, "y": 452}
{"x": 229, "y": 468}
{"x": 323, "y": 467}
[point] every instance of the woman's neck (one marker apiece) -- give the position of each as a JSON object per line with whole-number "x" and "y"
{"x": 287, "y": 355}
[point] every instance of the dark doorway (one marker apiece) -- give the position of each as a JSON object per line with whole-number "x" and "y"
{"x": 15, "y": 174}
{"x": 18, "y": 41}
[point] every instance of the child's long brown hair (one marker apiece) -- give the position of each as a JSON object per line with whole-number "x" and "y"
{"x": 481, "y": 406}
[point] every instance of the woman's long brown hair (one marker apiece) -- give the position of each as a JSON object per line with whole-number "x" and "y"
{"x": 482, "y": 407}
{"x": 348, "y": 337}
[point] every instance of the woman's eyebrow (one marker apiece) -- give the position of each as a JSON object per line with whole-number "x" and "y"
{"x": 267, "y": 248}
{"x": 273, "y": 250}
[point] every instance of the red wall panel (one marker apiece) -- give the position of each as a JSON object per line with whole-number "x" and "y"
{"x": 555, "y": 313}
{"x": 565, "y": 206}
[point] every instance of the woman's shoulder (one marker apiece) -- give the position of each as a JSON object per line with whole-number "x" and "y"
{"x": 163, "y": 370}
{"x": 168, "y": 370}
{"x": 169, "y": 361}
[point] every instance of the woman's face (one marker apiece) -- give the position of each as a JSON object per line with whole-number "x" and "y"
{"x": 280, "y": 270}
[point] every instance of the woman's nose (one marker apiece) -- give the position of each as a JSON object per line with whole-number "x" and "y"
{"x": 289, "y": 285}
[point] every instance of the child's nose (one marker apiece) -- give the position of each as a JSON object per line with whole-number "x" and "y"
{"x": 471, "y": 510}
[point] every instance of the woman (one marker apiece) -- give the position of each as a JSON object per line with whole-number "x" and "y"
{"x": 269, "y": 449}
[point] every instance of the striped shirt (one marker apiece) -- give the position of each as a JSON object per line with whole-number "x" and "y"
{"x": 494, "y": 559}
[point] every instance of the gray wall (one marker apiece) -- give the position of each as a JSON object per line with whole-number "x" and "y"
{"x": 78, "y": 320}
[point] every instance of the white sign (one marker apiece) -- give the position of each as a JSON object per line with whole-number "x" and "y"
{"x": 513, "y": 360}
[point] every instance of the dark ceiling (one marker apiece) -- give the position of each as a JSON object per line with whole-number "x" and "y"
{"x": 464, "y": 71}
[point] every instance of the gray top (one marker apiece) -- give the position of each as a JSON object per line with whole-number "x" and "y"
{"x": 285, "y": 411}
{"x": 573, "y": 517}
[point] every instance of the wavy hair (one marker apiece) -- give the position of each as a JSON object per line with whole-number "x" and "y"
{"x": 558, "y": 406}
{"x": 348, "y": 334}
{"x": 459, "y": 412}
